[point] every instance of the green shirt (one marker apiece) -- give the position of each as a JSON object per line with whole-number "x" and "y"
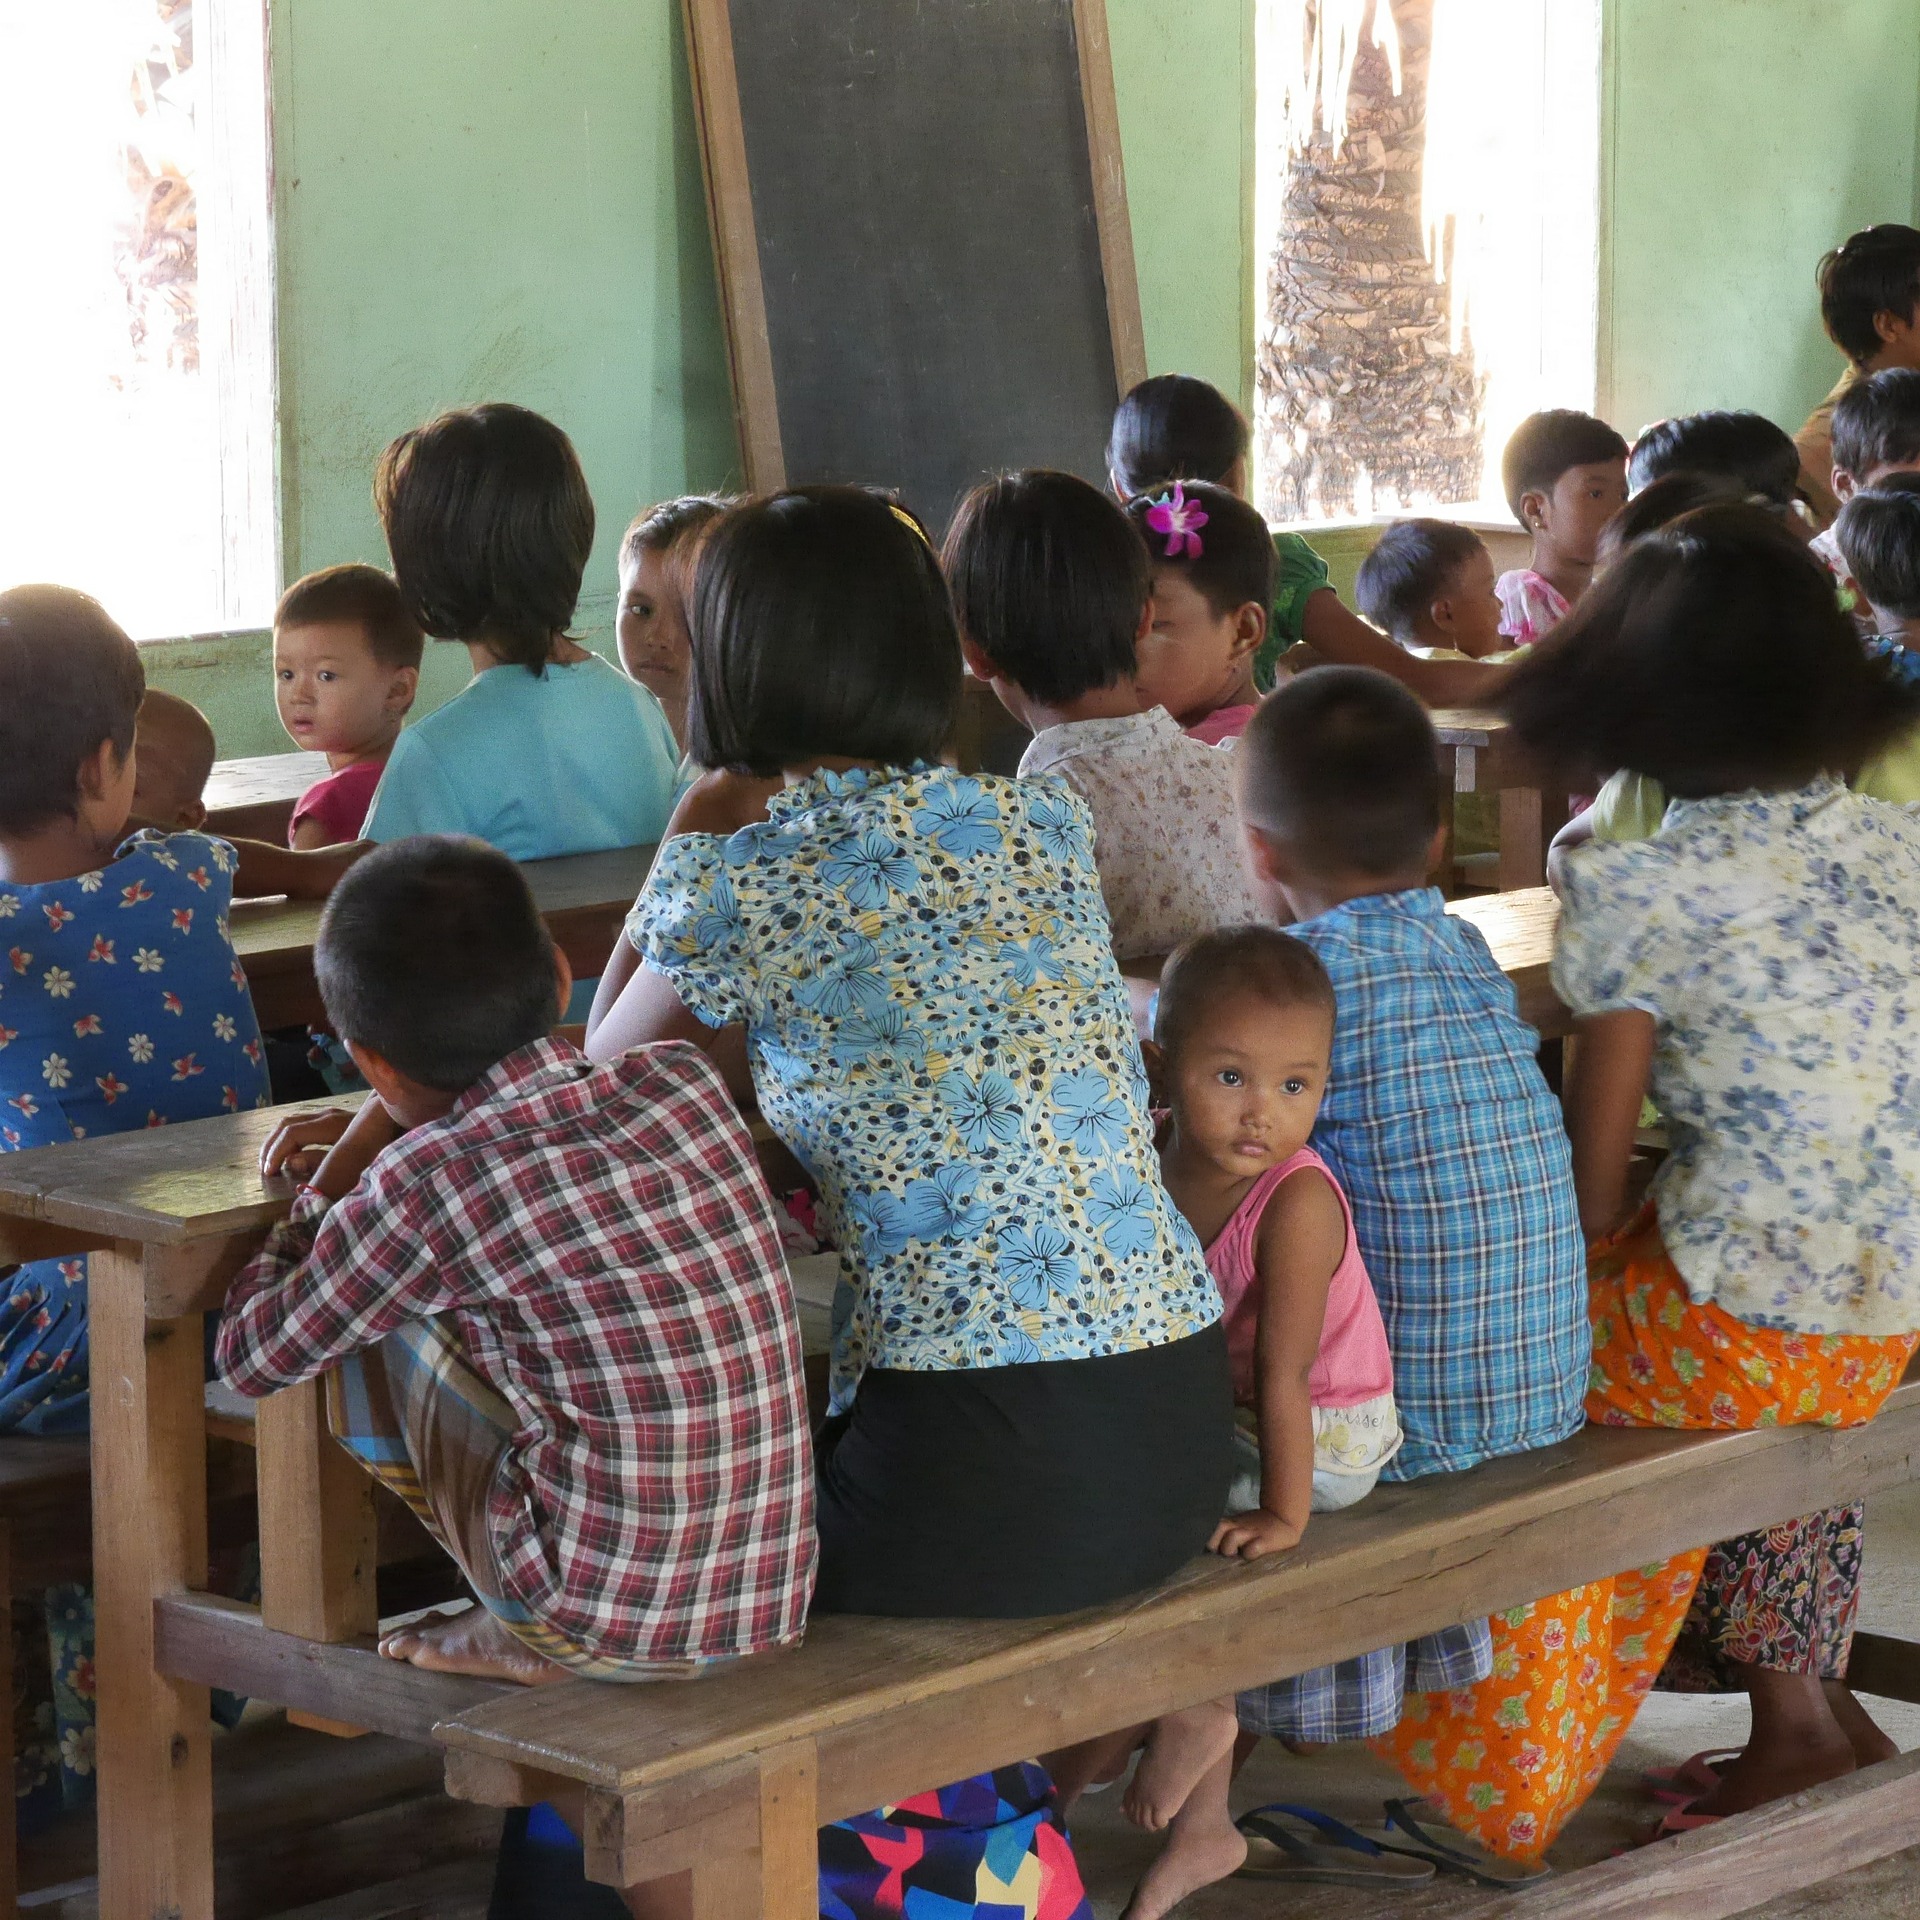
{"x": 1298, "y": 574}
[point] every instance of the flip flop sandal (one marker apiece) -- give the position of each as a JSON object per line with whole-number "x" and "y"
{"x": 1690, "y": 1779}
{"x": 1302, "y": 1844}
{"x": 1679, "y": 1820}
{"x": 1451, "y": 1851}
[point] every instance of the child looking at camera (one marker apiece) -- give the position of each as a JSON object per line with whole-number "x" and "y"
{"x": 1211, "y": 586}
{"x": 1244, "y": 1032}
{"x": 1566, "y": 476}
{"x": 656, "y": 554}
{"x": 346, "y": 668}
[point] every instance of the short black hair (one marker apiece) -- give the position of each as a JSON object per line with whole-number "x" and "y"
{"x": 1876, "y": 422}
{"x": 1411, "y": 566}
{"x": 1663, "y": 501}
{"x": 363, "y": 597}
{"x": 1546, "y": 445}
{"x": 1737, "y": 445}
{"x": 1878, "y": 534}
{"x": 1341, "y": 764}
{"x": 1712, "y": 656}
{"x": 69, "y": 679}
{"x": 1174, "y": 427}
{"x": 820, "y": 626}
{"x": 1235, "y": 563}
{"x": 1258, "y": 960}
{"x": 1874, "y": 271}
{"x": 490, "y": 525}
{"x": 432, "y": 953}
{"x": 1049, "y": 581}
{"x": 660, "y": 529}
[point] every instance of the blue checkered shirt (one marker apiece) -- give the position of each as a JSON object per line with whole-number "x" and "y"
{"x": 1449, "y": 1145}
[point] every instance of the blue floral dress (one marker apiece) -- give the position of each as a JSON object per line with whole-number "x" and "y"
{"x": 122, "y": 1005}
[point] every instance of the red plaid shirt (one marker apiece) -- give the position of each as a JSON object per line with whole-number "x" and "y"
{"x": 602, "y": 1241}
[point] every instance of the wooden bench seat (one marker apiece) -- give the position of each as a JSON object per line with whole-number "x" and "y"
{"x": 254, "y": 798}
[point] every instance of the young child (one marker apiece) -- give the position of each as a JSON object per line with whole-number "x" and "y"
{"x": 1876, "y": 433}
{"x": 346, "y": 668}
{"x": 1429, "y": 584}
{"x": 549, "y": 749}
{"x": 1742, "y": 447}
{"x": 1565, "y": 475}
{"x": 173, "y": 754}
{"x": 1878, "y": 535}
{"x": 1050, "y": 585}
{"x": 1244, "y": 1032}
{"x": 122, "y": 1003}
{"x": 1755, "y": 956}
{"x": 651, "y": 629}
{"x": 1174, "y": 427}
{"x": 1870, "y": 306}
{"x": 1441, "y": 1131}
{"x": 1030, "y": 1400}
{"x": 557, "y": 1291}
{"x": 1211, "y": 587}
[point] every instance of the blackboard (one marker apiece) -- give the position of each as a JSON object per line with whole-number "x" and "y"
{"x": 920, "y": 219}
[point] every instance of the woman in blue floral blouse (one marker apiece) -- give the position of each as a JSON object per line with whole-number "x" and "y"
{"x": 1030, "y": 1405}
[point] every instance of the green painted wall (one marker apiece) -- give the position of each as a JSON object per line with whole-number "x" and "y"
{"x": 505, "y": 203}
{"x": 1745, "y": 138}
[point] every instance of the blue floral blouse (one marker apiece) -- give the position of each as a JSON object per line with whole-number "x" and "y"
{"x": 1774, "y": 937}
{"x": 122, "y": 1005}
{"x": 940, "y": 1033}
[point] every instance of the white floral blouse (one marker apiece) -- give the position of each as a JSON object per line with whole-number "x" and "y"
{"x": 1774, "y": 937}
{"x": 939, "y": 1031}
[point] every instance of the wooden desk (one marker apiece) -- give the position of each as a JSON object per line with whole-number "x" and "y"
{"x": 1479, "y": 752}
{"x": 1521, "y": 929}
{"x": 254, "y": 799}
{"x": 584, "y": 900}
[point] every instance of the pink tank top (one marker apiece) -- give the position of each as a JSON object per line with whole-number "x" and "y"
{"x": 1353, "y": 1364}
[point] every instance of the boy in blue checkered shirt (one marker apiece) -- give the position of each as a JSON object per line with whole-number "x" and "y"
{"x": 1438, "y": 1124}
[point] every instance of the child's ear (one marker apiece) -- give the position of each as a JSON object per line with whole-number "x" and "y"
{"x": 1145, "y": 626}
{"x": 977, "y": 662}
{"x": 389, "y": 1084}
{"x": 1440, "y": 612}
{"x": 1437, "y": 848}
{"x": 1264, "y": 856}
{"x": 1845, "y": 486}
{"x": 402, "y": 689}
{"x": 1249, "y": 630}
{"x": 1533, "y": 508}
{"x": 563, "y": 980}
{"x": 192, "y": 817}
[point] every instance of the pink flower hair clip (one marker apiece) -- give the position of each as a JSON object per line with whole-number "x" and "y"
{"x": 1180, "y": 520}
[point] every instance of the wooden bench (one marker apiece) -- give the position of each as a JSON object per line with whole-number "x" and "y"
{"x": 1479, "y": 755}
{"x": 584, "y": 899}
{"x": 253, "y": 799}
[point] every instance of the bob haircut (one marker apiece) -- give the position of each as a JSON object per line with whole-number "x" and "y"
{"x": 1259, "y": 961}
{"x": 820, "y": 626}
{"x": 69, "y": 679}
{"x": 1872, "y": 272}
{"x": 490, "y": 525}
{"x": 1049, "y": 581}
{"x": 1878, "y": 532}
{"x": 1234, "y": 566}
{"x": 1546, "y": 445}
{"x": 1742, "y": 446}
{"x": 1713, "y": 657}
{"x": 1174, "y": 427}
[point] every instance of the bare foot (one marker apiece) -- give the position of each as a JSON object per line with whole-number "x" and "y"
{"x": 1870, "y": 1745}
{"x": 1182, "y": 1750}
{"x": 1203, "y": 1846}
{"x": 471, "y": 1642}
{"x": 1776, "y": 1770}
{"x": 1092, "y": 1763}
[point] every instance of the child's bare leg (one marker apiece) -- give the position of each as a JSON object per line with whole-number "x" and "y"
{"x": 668, "y": 1899}
{"x": 1092, "y": 1763}
{"x": 1796, "y": 1743}
{"x": 472, "y": 1642}
{"x": 1869, "y": 1742}
{"x": 1182, "y": 1749}
{"x": 1203, "y": 1845}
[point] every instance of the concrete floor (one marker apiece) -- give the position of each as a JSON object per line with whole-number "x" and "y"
{"x": 1349, "y": 1783}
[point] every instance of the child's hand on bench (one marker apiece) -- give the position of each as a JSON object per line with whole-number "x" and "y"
{"x": 329, "y": 1150}
{"x": 1250, "y": 1536}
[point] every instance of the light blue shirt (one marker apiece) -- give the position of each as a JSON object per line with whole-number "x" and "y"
{"x": 575, "y": 761}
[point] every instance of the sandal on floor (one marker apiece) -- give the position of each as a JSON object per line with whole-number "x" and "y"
{"x": 1690, "y": 1779}
{"x": 1451, "y": 1851}
{"x": 1682, "y": 1819}
{"x": 1302, "y": 1844}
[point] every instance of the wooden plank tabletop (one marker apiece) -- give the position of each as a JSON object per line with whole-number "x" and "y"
{"x": 1521, "y": 928}
{"x": 584, "y": 899}
{"x": 253, "y": 799}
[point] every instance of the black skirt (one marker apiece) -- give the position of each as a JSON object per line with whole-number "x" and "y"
{"x": 1010, "y": 1492}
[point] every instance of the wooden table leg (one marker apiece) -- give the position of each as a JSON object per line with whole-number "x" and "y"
{"x": 1528, "y": 821}
{"x": 155, "y": 1750}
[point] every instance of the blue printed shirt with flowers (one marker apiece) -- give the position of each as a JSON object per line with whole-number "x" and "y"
{"x": 940, "y": 1033}
{"x": 122, "y": 1005}
{"x": 1775, "y": 940}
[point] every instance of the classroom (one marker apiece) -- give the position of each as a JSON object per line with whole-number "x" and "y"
{"x": 958, "y": 960}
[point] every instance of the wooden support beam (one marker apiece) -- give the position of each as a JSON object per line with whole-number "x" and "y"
{"x": 1886, "y": 1666}
{"x": 318, "y": 1545}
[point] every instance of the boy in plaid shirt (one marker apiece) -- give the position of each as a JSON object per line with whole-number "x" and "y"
{"x": 553, "y": 1292}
